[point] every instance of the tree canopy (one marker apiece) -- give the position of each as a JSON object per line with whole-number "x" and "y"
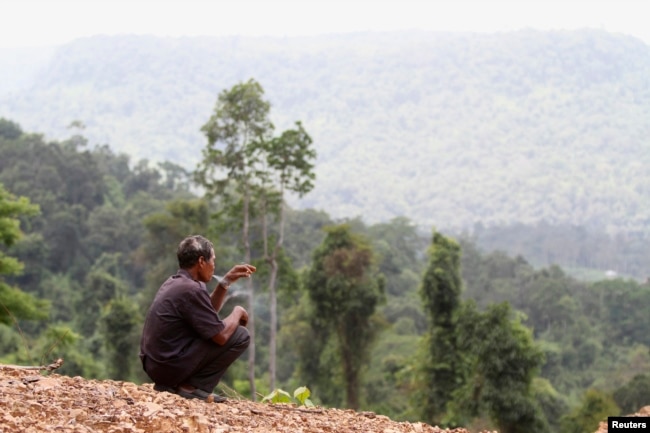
{"x": 14, "y": 303}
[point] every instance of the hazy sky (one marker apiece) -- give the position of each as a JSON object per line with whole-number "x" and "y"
{"x": 33, "y": 22}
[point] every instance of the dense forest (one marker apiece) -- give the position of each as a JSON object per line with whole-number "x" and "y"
{"x": 450, "y": 129}
{"x": 445, "y": 331}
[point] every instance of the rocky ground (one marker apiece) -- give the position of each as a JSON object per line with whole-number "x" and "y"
{"x": 37, "y": 401}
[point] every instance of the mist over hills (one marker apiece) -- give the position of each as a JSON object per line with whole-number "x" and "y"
{"x": 447, "y": 129}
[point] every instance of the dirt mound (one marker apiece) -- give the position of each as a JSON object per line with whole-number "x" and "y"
{"x": 31, "y": 402}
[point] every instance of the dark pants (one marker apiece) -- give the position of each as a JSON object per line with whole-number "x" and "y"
{"x": 204, "y": 364}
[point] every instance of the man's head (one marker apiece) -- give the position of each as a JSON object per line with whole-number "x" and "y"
{"x": 193, "y": 251}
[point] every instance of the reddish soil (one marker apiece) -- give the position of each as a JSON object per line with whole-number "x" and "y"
{"x": 33, "y": 401}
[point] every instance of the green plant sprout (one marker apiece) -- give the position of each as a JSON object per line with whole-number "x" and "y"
{"x": 300, "y": 397}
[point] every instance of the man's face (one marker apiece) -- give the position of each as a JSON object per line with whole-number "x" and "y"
{"x": 206, "y": 267}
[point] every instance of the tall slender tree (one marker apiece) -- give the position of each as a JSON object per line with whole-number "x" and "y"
{"x": 440, "y": 292}
{"x": 474, "y": 363}
{"x": 289, "y": 157}
{"x": 345, "y": 294}
{"x": 232, "y": 169}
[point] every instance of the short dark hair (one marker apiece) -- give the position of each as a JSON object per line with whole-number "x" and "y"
{"x": 191, "y": 248}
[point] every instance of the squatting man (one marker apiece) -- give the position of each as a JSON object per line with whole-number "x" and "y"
{"x": 186, "y": 347}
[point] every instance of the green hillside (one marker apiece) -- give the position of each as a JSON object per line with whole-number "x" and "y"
{"x": 446, "y": 129}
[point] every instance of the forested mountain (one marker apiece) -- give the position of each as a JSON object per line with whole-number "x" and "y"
{"x": 446, "y": 129}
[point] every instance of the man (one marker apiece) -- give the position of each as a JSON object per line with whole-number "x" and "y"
{"x": 186, "y": 347}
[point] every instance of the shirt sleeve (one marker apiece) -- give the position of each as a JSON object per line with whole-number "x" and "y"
{"x": 200, "y": 314}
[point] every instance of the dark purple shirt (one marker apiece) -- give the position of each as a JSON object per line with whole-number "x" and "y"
{"x": 180, "y": 314}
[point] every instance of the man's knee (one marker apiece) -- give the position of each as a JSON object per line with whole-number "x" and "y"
{"x": 241, "y": 337}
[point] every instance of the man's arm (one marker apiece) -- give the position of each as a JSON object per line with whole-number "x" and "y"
{"x": 238, "y": 317}
{"x": 218, "y": 296}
